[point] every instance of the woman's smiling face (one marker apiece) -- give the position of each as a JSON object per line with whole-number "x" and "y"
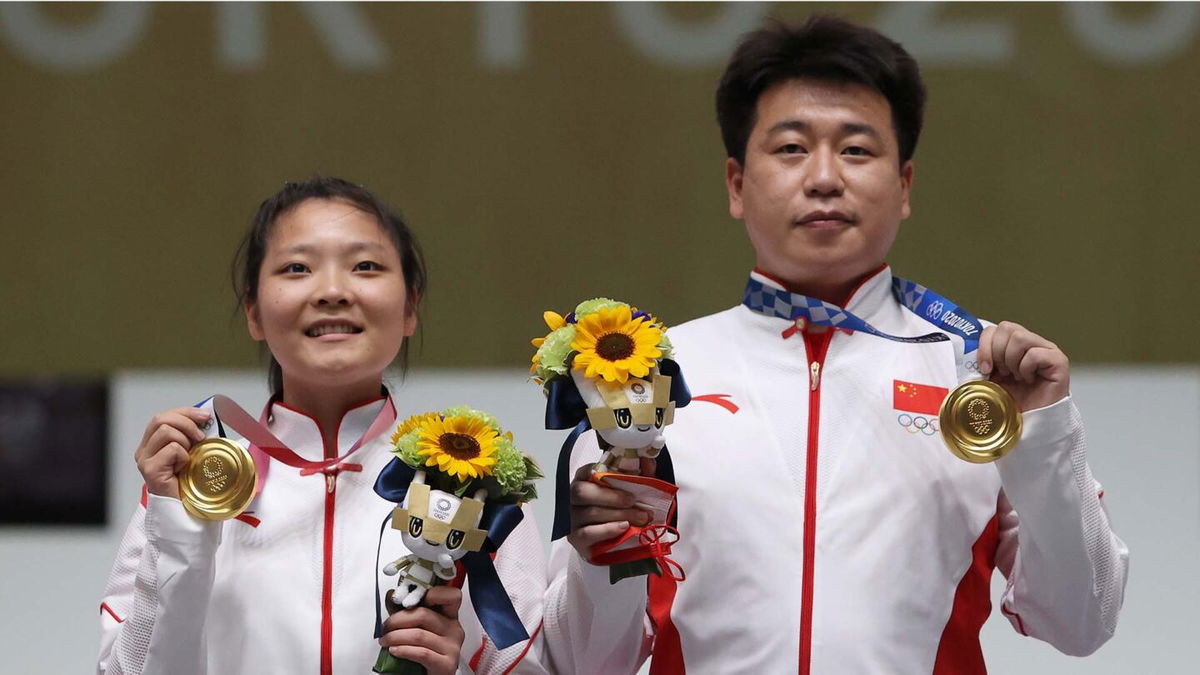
{"x": 331, "y": 304}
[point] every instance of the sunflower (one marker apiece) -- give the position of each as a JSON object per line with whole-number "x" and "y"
{"x": 614, "y": 345}
{"x": 412, "y": 423}
{"x": 459, "y": 445}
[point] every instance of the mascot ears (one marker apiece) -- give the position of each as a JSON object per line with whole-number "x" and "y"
{"x": 680, "y": 393}
{"x": 565, "y": 407}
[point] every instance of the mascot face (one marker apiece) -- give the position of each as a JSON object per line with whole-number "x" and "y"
{"x": 628, "y": 415}
{"x": 433, "y": 523}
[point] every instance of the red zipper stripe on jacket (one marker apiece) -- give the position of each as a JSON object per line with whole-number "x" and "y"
{"x": 815, "y": 345}
{"x": 327, "y": 581}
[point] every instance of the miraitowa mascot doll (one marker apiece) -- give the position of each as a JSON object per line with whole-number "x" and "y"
{"x": 458, "y": 482}
{"x": 607, "y": 367}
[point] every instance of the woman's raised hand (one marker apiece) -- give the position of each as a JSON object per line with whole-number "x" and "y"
{"x": 163, "y": 452}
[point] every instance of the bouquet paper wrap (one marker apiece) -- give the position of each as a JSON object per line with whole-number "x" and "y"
{"x": 606, "y": 368}
{"x": 458, "y": 482}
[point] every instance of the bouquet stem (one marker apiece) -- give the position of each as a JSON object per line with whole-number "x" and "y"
{"x": 634, "y": 568}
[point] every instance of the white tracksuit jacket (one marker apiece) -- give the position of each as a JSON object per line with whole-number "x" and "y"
{"x": 820, "y": 535}
{"x": 287, "y": 587}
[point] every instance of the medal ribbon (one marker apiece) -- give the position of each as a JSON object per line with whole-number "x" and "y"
{"x": 232, "y": 415}
{"x": 936, "y": 308}
{"x": 948, "y": 316}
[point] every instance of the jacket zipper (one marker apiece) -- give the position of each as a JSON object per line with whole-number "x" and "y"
{"x": 815, "y": 346}
{"x": 327, "y": 574}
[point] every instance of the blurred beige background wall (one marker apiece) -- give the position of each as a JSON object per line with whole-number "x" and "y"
{"x": 535, "y": 148}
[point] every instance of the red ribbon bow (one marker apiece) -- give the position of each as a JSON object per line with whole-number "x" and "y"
{"x": 658, "y": 539}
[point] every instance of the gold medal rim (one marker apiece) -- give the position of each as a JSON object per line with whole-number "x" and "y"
{"x": 229, "y": 503}
{"x": 995, "y": 445}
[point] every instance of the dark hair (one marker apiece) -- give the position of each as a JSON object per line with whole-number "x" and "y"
{"x": 824, "y": 48}
{"x": 248, "y": 262}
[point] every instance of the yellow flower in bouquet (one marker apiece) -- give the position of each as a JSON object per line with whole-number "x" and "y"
{"x": 459, "y": 445}
{"x": 613, "y": 345}
{"x": 412, "y": 423}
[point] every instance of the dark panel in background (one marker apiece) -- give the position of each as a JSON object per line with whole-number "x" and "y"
{"x": 53, "y": 452}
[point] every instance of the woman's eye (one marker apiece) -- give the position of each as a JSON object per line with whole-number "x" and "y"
{"x": 791, "y": 148}
{"x": 367, "y": 266}
{"x": 295, "y": 268}
{"x": 857, "y": 151}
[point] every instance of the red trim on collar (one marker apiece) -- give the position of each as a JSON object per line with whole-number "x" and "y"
{"x": 338, "y": 430}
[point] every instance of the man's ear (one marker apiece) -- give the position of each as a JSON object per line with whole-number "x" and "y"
{"x": 253, "y": 323}
{"x": 733, "y": 184}
{"x": 906, "y": 180}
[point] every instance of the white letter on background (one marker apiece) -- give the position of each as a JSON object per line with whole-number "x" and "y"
{"x": 672, "y": 42}
{"x": 1154, "y": 38}
{"x": 99, "y": 42}
{"x": 972, "y": 42}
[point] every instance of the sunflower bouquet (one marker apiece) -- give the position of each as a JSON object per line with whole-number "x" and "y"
{"x": 607, "y": 367}
{"x": 459, "y": 482}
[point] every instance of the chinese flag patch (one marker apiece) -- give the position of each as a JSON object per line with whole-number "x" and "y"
{"x": 924, "y": 399}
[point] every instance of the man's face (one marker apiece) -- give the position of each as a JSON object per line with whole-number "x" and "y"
{"x": 822, "y": 190}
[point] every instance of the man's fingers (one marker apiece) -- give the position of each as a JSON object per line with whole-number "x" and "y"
{"x": 585, "y": 537}
{"x": 1042, "y": 362}
{"x": 1019, "y": 345}
{"x": 585, "y": 492}
{"x": 446, "y": 599}
{"x": 999, "y": 344}
{"x": 590, "y": 515}
{"x": 985, "y": 350}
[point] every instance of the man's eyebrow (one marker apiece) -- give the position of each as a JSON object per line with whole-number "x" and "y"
{"x": 789, "y": 125}
{"x": 851, "y": 128}
{"x": 848, "y": 128}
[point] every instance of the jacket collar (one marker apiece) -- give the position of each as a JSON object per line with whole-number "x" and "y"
{"x": 302, "y": 433}
{"x": 871, "y": 297}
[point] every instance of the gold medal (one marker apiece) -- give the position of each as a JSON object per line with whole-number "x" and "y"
{"x": 980, "y": 421}
{"x": 218, "y": 482}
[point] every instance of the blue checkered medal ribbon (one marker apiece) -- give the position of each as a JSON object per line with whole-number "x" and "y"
{"x": 783, "y": 304}
{"x": 937, "y": 309}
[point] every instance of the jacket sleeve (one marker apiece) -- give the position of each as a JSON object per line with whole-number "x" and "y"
{"x": 1066, "y": 568}
{"x": 153, "y": 613}
{"x": 592, "y": 626}
{"x": 521, "y": 566}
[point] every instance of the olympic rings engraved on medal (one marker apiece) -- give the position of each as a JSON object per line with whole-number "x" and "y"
{"x": 917, "y": 424}
{"x": 934, "y": 310}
